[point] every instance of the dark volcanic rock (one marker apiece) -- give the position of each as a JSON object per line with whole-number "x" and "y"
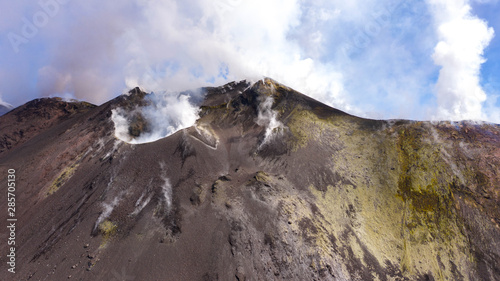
{"x": 35, "y": 117}
{"x": 319, "y": 195}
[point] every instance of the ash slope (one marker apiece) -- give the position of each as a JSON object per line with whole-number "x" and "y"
{"x": 322, "y": 196}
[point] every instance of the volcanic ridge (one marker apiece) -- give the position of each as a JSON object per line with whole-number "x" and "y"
{"x": 261, "y": 183}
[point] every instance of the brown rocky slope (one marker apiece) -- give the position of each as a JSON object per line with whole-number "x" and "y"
{"x": 320, "y": 195}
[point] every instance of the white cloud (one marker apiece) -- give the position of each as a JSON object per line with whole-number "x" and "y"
{"x": 463, "y": 38}
{"x": 249, "y": 38}
{"x": 370, "y": 58}
{"x": 485, "y": 1}
{"x": 98, "y": 50}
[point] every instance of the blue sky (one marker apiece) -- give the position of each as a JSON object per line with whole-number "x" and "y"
{"x": 432, "y": 59}
{"x": 491, "y": 68}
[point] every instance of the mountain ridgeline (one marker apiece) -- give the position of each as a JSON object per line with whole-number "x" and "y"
{"x": 268, "y": 184}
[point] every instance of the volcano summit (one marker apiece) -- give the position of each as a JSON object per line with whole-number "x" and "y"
{"x": 256, "y": 182}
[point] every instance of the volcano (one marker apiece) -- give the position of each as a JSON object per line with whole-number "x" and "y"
{"x": 267, "y": 184}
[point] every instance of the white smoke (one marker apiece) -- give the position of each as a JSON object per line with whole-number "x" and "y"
{"x": 118, "y": 116}
{"x": 107, "y": 208}
{"x": 463, "y": 38}
{"x": 100, "y": 144}
{"x": 3, "y": 103}
{"x": 166, "y": 114}
{"x": 6, "y": 106}
{"x": 141, "y": 202}
{"x": 267, "y": 117}
{"x": 166, "y": 188}
{"x": 116, "y": 145}
{"x": 167, "y": 192}
{"x": 140, "y": 205}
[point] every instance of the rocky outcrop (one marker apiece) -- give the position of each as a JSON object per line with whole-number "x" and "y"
{"x": 34, "y": 117}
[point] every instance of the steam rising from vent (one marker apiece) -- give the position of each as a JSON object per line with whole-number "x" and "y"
{"x": 267, "y": 117}
{"x": 107, "y": 209}
{"x": 167, "y": 192}
{"x": 5, "y": 104}
{"x": 166, "y": 114}
{"x": 142, "y": 201}
{"x": 166, "y": 188}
